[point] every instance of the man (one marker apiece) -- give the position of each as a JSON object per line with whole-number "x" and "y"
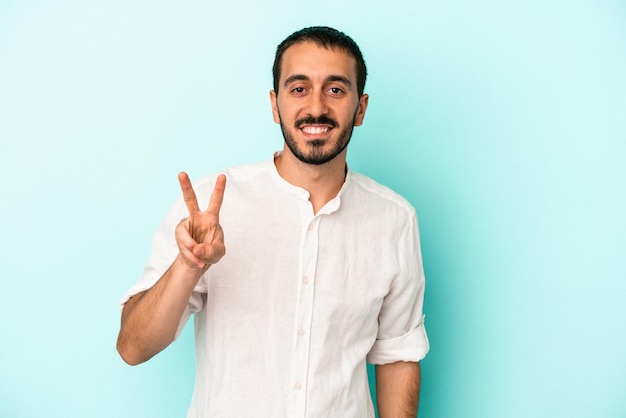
{"x": 323, "y": 269}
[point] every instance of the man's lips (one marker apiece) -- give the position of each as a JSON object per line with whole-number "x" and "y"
{"x": 316, "y": 129}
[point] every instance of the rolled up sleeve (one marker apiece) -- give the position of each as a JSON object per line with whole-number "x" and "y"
{"x": 412, "y": 346}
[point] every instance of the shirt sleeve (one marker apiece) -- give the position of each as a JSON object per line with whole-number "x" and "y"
{"x": 164, "y": 251}
{"x": 401, "y": 331}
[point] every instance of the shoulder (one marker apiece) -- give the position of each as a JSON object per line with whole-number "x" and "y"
{"x": 242, "y": 181}
{"x": 239, "y": 173}
{"x": 238, "y": 178}
{"x": 371, "y": 192}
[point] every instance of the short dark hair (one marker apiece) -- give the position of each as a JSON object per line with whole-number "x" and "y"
{"x": 327, "y": 38}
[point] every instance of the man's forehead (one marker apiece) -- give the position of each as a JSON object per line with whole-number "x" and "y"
{"x": 314, "y": 56}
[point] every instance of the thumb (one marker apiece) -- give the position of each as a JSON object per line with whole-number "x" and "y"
{"x": 198, "y": 250}
{"x": 210, "y": 254}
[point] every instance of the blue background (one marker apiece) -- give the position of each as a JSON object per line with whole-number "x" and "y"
{"x": 503, "y": 123}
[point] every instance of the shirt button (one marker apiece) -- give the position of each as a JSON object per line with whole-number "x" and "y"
{"x": 305, "y": 280}
{"x": 297, "y": 386}
{"x": 301, "y": 332}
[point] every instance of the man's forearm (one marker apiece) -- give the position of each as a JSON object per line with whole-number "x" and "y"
{"x": 398, "y": 389}
{"x": 150, "y": 318}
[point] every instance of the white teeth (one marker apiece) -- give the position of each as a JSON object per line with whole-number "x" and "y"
{"x": 315, "y": 130}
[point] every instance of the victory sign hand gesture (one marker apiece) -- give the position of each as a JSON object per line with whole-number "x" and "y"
{"x": 200, "y": 237}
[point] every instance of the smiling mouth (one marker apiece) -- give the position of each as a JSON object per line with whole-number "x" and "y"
{"x": 315, "y": 129}
{"x": 316, "y": 126}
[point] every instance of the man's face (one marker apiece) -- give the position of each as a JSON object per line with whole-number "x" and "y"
{"x": 317, "y": 104}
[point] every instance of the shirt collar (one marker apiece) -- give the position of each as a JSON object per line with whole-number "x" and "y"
{"x": 303, "y": 194}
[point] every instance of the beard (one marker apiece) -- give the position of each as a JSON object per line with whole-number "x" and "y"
{"x": 315, "y": 153}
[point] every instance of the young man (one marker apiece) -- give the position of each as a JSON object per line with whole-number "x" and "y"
{"x": 323, "y": 270}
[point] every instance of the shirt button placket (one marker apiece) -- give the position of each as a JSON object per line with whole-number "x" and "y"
{"x": 304, "y": 314}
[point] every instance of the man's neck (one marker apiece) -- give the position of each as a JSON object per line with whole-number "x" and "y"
{"x": 323, "y": 181}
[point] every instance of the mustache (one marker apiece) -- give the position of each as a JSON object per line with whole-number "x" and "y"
{"x": 320, "y": 120}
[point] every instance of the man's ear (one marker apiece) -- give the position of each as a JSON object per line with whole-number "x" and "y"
{"x": 275, "y": 113}
{"x": 360, "y": 111}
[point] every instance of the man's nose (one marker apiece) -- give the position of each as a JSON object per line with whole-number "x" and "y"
{"x": 317, "y": 105}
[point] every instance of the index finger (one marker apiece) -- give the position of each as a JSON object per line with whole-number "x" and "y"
{"x": 188, "y": 194}
{"x": 215, "y": 204}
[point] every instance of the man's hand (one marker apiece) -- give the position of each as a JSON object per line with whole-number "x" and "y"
{"x": 200, "y": 237}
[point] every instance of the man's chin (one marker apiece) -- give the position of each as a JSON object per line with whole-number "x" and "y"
{"x": 317, "y": 157}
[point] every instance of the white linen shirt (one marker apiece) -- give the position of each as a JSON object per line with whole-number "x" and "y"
{"x": 285, "y": 322}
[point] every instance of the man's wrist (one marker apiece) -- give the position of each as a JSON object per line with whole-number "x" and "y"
{"x": 186, "y": 270}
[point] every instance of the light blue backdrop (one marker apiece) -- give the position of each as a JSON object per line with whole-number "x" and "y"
{"x": 502, "y": 122}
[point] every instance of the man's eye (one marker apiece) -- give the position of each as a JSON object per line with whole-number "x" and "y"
{"x": 336, "y": 90}
{"x": 298, "y": 90}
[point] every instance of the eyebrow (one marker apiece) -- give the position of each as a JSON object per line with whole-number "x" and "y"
{"x": 295, "y": 77}
{"x": 339, "y": 78}
{"x": 331, "y": 78}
